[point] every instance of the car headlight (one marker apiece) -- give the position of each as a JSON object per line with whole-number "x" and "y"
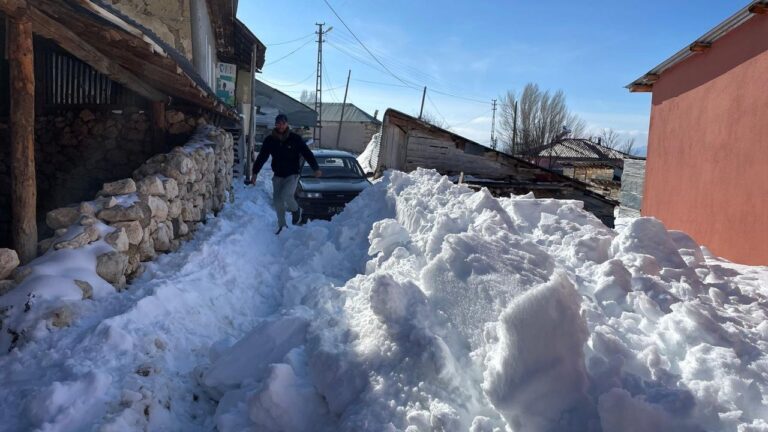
{"x": 310, "y": 194}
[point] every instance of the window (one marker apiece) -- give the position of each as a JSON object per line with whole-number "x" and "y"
{"x": 335, "y": 167}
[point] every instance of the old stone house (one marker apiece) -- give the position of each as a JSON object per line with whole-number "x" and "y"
{"x": 93, "y": 90}
{"x": 591, "y": 162}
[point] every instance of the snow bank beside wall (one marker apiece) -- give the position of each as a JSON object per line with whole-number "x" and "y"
{"x": 484, "y": 314}
{"x": 129, "y": 222}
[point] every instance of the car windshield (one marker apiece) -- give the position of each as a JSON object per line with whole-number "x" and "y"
{"x": 335, "y": 167}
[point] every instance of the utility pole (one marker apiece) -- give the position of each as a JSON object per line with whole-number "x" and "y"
{"x": 514, "y": 130}
{"x": 343, "y": 104}
{"x": 316, "y": 132}
{"x": 423, "y": 95}
{"x": 493, "y": 126}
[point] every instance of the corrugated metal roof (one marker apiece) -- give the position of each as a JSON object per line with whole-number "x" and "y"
{"x": 575, "y": 148}
{"x": 739, "y": 18}
{"x": 332, "y": 113}
{"x": 298, "y": 113}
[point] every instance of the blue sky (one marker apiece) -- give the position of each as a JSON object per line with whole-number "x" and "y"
{"x": 478, "y": 50}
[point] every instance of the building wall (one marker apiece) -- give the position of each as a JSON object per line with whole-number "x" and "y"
{"x": 707, "y": 165}
{"x": 631, "y": 194}
{"x": 170, "y": 20}
{"x": 354, "y": 135}
{"x": 203, "y": 42}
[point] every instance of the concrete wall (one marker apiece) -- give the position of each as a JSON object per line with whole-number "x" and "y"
{"x": 631, "y": 194}
{"x": 169, "y": 19}
{"x": 707, "y": 165}
{"x": 354, "y": 135}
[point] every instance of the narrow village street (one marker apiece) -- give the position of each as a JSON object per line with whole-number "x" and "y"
{"x": 423, "y": 305}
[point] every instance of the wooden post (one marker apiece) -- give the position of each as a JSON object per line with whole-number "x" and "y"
{"x": 248, "y": 166}
{"x": 423, "y": 95}
{"x": 22, "y": 119}
{"x": 158, "y": 126}
{"x": 343, "y": 104}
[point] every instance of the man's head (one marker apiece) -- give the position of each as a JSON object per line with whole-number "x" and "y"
{"x": 281, "y": 123}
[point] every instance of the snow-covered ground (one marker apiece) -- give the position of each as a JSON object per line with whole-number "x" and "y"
{"x": 423, "y": 307}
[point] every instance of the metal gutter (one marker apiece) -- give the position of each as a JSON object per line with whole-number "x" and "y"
{"x": 708, "y": 38}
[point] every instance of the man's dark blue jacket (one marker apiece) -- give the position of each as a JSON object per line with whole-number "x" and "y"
{"x": 286, "y": 151}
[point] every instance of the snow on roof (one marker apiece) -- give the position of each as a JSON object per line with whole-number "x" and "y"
{"x": 422, "y": 306}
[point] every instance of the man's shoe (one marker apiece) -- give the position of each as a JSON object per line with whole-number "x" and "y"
{"x": 296, "y": 216}
{"x": 278, "y": 230}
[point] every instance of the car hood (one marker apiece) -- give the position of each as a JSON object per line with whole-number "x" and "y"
{"x": 311, "y": 184}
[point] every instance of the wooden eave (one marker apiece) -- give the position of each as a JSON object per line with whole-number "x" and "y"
{"x": 122, "y": 52}
{"x": 222, "y": 13}
{"x": 759, "y": 9}
{"x": 700, "y": 46}
{"x": 641, "y": 88}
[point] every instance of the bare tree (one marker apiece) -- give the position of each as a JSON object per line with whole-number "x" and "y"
{"x": 432, "y": 119}
{"x": 612, "y": 139}
{"x": 609, "y": 138}
{"x": 628, "y": 146}
{"x": 534, "y": 118}
{"x": 307, "y": 97}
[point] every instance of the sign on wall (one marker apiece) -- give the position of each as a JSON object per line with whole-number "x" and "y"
{"x": 225, "y": 82}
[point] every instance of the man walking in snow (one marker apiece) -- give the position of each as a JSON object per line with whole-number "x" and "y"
{"x": 287, "y": 149}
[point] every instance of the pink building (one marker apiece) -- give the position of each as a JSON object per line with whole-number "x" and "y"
{"x": 707, "y": 162}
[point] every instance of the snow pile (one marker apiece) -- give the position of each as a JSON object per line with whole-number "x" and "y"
{"x": 423, "y": 306}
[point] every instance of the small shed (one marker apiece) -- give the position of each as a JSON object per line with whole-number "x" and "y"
{"x": 407, "y": 143}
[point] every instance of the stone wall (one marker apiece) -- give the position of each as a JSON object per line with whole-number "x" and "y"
{"x": 76, "y": 151}
{"x": 160, "y": 205}
{"x": 170, "y": 20}
{"x": 107, "y": 238}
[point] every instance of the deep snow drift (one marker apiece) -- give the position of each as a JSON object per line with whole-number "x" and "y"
{"x": 423, "y": 306}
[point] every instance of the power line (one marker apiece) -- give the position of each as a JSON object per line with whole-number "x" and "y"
{"x": 459, "y": 97}
{"x": 290, "y": 41}
{"x": 358, "y": 59}
{"x": 363, "y": 45}
{"x": 472, "y": 119}
{"x": 380, "y": 83}
{"x": 328, "y": 78}
{"x": 354, "y": 57}
{"x": 290, "y": 85}
{"x": 447, "y": 126}
{"x": 290, "y": 53}
{"x": 416, "y": 73}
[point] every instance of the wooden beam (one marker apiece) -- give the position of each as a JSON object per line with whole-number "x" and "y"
{"x": 759, "y": 8}
{"x": 651, "y": 78}
{"x": 700, "y": 46}
{"x": 22, "y": 119}
{"x": 158, "y": 125}
{"x": 640, "y": 88}
{"x": 58, "y": 32}
{"x": 13, "y": 8}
